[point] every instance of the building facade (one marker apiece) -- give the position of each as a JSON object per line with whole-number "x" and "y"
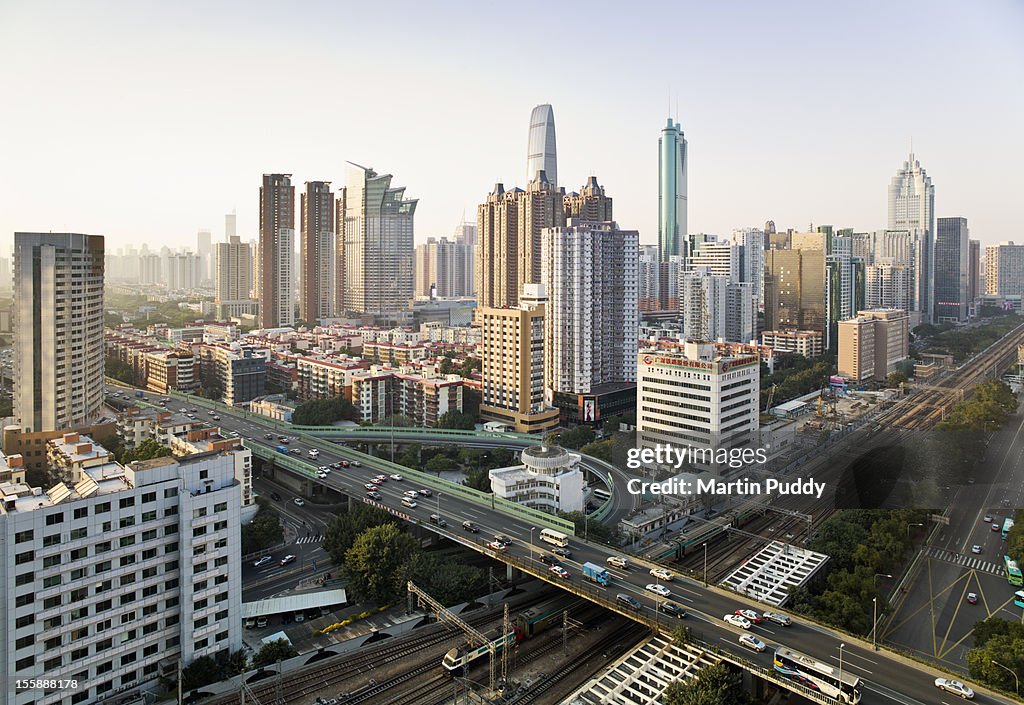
{"x": 444, "y": 269}
{"x": 58, "y": 330}
{"x": 912, "y": 208}
{"x": 795, "y": 290}
{"x": 809, "y": 343}
{"x": 1004, "y": 270}
{"x": 873, "y": 344}
{"x": 541, "y": 150}
{"x": 316, "y": 252}
{"x": 952, "y": 270}
{"x": 233, "y": 278}
{"x": 549, "y": 479}
{"x": 275, "y": 260}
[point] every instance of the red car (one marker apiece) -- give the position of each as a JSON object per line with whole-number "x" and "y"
{"x": 749, "y": 615}
{"x": 559, "y": 571}
{"x": 370, "y": 486}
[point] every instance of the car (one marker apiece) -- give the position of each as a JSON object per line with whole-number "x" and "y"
{"x": 409, "y": 502}
{"x": 502, "y": 538}
{"x": 299, "y": 617}
{"x": 249, "y": 623}
{"x": 269, "y": 436}
{"x": 336, "y": 466}
{"x": 671, "y": 608}
{"x": 617, "y": 562}
{"x": 313, "y": 452}
{"x": 438, "y": 519}
{"x": 628, "y": 601}
{"x": 211, "y": 412}
{"x": 661, "y": 574}
{"x": 777, "y": 617}
{"x": 752, "y": 642}
{"x": 955, "y": 687}
{"x": 975, "y": 548}
{"x": 426, "y": 493}
{"x": 321, "y": 474}
{"x": 995, "y": 527}
{"x": 548, "y": 559}
{"x": 411, "y": 494}
{"x": 750, "y": 615}
{"x": 372, "y": 487}
{"x": 470, "y": 527}
{"x": 261, "y": 622}
{"x": 183, "y": 411}
{"x": 275, "y": 496}
{"x": 288, "y": 559}
{"x": 658, "y": 589}
{"x": 559, "y": 571}
{"x": 972, "y": 598}
{"x": 295, "y": 451}
{"x": 283, "y": 439}
{"x": 299, "y": 501}
{"x": 736, "y": 621}
{"x": 355, "y": 464}
{"x": 396, "y": 477}
{"x": 988, "y": 518}
{"x": 324, "y": 468}
{"x": 262, "y": 561}
{"x": 194, "y": 411}
{"x": 380, "y": 478}
{"x": 563, "y": 552}
{"x": 374, "y": 495}
{"x": 497, "y": 546}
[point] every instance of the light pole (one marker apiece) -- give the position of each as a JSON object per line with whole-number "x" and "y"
{"x": 532, "y": 529}
{"x": 1012, "y": 673}
{"x": 874, "y": 613}
{"x": 705, "y": 564}
{"x": 841, "y": 646}
{"x": 908, "y": 529}
{"x": 439, "y": 504}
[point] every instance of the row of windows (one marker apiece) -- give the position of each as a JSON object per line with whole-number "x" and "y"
{"x": 99, "y": 508}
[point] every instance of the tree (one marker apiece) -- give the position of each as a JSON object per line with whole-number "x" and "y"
{"x": 478, "y": 479}
{"x": 458, "y": 420}
{"x": 895, "y": 379}
{"x": 346, "y": 527}
{"x": 1015, "y": 538}
{"x": 272, "y": 652}
{"x": 202, "y": 671}
{"x": 594, "y": 530}
{"x": 447, "y": 579}
{"x": 603, "y": 450}
{"x": 147, "y": 450}
{"x": 380, "y": 562}
{"x": 576, "y": 438}
{"x": 263, "y": 531}
{"x": 438, "y": 464}
{"x": 121, "y": 371}
{"x": 446, "y": 366}
{"x": 714, "y": 685}
{"x": 324, "y": 412}
{"x": 469, "y": 366}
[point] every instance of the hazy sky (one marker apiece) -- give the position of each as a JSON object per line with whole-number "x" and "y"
{"x": 146, "y": 121}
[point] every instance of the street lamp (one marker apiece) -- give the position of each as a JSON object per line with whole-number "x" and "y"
{"x": 874, "y": 610}
{"x": 908, "y": 529}
{"x": 532, "y": 529}
{"x": 438, "y": 504}
{"x": 841, "y": 647}
{"x": 1012, "y": 673}
{"x": 705, "y": 564}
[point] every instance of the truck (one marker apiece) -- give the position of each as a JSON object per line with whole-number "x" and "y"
{"x": 282, "y": 449}
{"x": 596, "y": 573}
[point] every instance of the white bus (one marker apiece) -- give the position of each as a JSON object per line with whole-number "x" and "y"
{"x": 818, "y": 676}
{"x": 554, "y": 537}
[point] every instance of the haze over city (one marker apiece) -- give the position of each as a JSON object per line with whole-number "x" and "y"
{"x": 145, "y": 123}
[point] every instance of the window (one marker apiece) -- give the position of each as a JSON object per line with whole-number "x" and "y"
{"x": 107, "y": 526}
{"x": 25, "y": 641}
{"x": 27, "y": 620}
{"x": 151, "y": 649}
{"x": 24, "y": 557}
{"x": 198, "y": 512}
{"x": 127, "y": 560}
{"x": 170, "y": 492}
{"x": 221, "y": 636}
{"x": 53, "y": 664}
{"x": 149, "y": 497}
{"x": 77, "y": 574}
{"x": 170, "y": 566}
{"x": 101, "y": 508}
{"x": 201, "y": 585}
{"x": 199, "y": 567}
{"x": 25, "y": 663}
{"x": 78, "y": 554}
{"x": 202, "y": 643}
{"x": 51, "y": 602}
{"x": 103, "y": 626}
{"x": 103, "y": 547}
{"x": 104, "y": 586}
{"x": 223, "y": 614}
{"x": 127, "y": 617}
{"x": 103, "y": 567}
{"x": 172, "y": 602}
{"x": 220, "y": 526}
{"x": 81, "y": 512}
{"x": 51, "y": 581}
{"x": 128, "y": 578}
{"x": 104, "y": 644}
{"x": 104, "y": 667}
{"x": 171, "y": 511}
{"x": 52, "y": 643}
{"x": 149, "y": 572}
{"x": 201, "y": 622}
{"x": 201, "y": 604}
{"x": 127, "y": 541}
{"x": 204, "y": 474}
{"x": 79, "y": 697}
{"x": 149, "y": 535}
{"x": 126, "y": 502}
{"x": 149, "y": 591}
{"x": 79, "y": 533}
{"x": 148, "y": 554}
{"x": 79, "y": 654}
{"x": 52, "y": 622}
{"x": 54, "y": 519}
{"x": 199, "y": 531}
{"x": 126, "y": 522}
{"x": 25, "y": 578}
{"x": 79, "y": 633}
{"x": 171, "y": 547}
{"x": 53, "y": 540}
{"x": 220, "y": 580}
{"x": 222, "y": 561}
{"x": 174, "y": 640}
{"x": 23, "y": 536}
{"x": 220, "y": 507}
{"x": 221, "y": 597}
{"x": 172, "y": 584}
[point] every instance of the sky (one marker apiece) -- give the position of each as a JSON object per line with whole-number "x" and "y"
{"x": 147, "y": 121}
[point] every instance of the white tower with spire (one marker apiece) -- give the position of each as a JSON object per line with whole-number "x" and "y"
{"x": 912, "y": 208}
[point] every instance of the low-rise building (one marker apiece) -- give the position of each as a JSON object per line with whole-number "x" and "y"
{"x": 873, "y": 344}
{"x": 548, "y": 478}
{"x": 809, "y": 343}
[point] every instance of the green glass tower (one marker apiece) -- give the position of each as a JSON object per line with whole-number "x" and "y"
{"x": 671, "y": 191}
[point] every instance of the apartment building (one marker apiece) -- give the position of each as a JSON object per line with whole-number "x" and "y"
{"x": 809, "y": 343}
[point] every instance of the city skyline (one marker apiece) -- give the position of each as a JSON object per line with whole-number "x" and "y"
{"x": 191, "y": 120}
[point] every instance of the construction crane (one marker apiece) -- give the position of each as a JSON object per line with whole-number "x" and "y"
{"x": 771, "y": 394}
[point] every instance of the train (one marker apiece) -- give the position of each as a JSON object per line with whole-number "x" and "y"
{"x": 527, "y": 624}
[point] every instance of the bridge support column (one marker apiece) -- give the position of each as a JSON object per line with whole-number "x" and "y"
{"x": 509, "y": 571}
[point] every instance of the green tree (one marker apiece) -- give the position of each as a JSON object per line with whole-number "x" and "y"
{"x": 576, "y": 438}
{"x": 121, "y": 371}
{"x": 1005, "y": 646}
{"x": 446, "y": 366}
{"x": 714, "y": 685}
{"x": 202, "y": 671}
{"x": 478, "y": 479}
{"x": 457, "y": 420}
{"x": 379, "y": 563}
{"x": 264, "y": 530}
{"x": 438, "y": 464}
{"x": 147, "y": 450}
{"x": 593, "y": 530}
{"x": 603, "y": 450}
{"x": 469, "y": 366}
{"x": 346, "y": 527}
{"x": 895, "y": 379}
{"x": 449, "y": 580}
{"x": 1015, "y": 538}
{"x": 272, "y": 652}
{"x": 324, "y": 412}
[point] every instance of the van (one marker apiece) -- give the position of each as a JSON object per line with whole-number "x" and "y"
{"x": 408, "y": 502}
{"x": 438, "y": 519}
{"x": 299, "y": 616}
{"x": 617, "y": 562}
{"x": 249, "y": 623}
{"x": 628, "y": 601}
{"x": 261, "y": 622}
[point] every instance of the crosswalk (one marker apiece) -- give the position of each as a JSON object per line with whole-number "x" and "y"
{"x": 310, "y": 539}
{"x": 973, "y": 562}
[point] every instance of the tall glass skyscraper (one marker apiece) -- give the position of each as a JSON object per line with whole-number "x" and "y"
{"x": 912, "y": 208}
{"x": 671, "y": 191}
{"x": 541, "y": 154}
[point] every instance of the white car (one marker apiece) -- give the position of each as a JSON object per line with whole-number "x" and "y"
{"x": 658, "y": 590}
{"x": 396, "y": 477}
{"x": 313, "y": 452}
{"x": 954, "y": 687}
{"x": 412, "y": 494}
{"x": 737, "y": 621}
{"x": 752, "y": 642}
{"x": 299, "y": 501}
{"x": 661, "y": 574}
{"x": 975, "y": 548}
{"x": 262, "y": 561}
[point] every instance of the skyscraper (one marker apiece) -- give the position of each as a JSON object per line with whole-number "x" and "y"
{"x": 794, "y": 290}
{"x": 204, "y": 248}
{"x": 590, "y": 203}
{"x": 671, "y": 191}
{"x": 233, "y": 278}
{"x": 590, "y": 274}
{"x": 316, "y": 252}
{"x": 952, "y": 269}
{"x": 912, "y": 208}
{"x": 974, "y": 272}
{"x": 541, "y": 153}
{"x": 378, "y": 246}
{"x": 1004, "y": 269}
{"x": 230, "y": 221}
{"x": 443, "y": 268}
{"x": 58, "y": 330}
{"x": 275, "y": 272}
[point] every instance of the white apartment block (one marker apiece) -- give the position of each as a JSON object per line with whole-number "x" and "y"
{"x": 809, "y": 343}
{"x": 111, "y": 578}
{"x": 722, "y": 259}
{"x": 714, "y": 308}
{"x": 889, "y": 285}
{"x": 549, "y": 479}
{"x": 689, "y": 394}
{"x": 589, "y": 271}
{"x": 751, "y": 242}
{"x": 58, "y": 330}
{"x": 1004, "y": 269}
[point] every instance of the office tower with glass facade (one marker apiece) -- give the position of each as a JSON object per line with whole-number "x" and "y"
{"x": 541, "y": 153}
{"x": 671, "y": 190}
{"x": 912, "y": 208}
{"x": 952, "y": 270}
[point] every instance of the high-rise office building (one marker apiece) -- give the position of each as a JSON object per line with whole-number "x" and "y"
{"x": 233, "y": 279}
{"x": 952, "y": 269}
{"x": 275, "y": 266}
{"x": 974, "y": 272}
{"x": 590, "y": 203}
{"x": 316, "y": 252}
{"x": 378, "y": 247}
{"x": 443, "y": 269}
{"x": 204, "y": 249}
{"x": 671, "y": 190}
{"x": 912, "y": 208}
{"x": 590, "y": 274}
{"x": 541, "y": 154}
{"x": 794, "y": 287}
{"x": 58, "y": 330}
{"x": 1004, "y": 269}
{"x": 230, "y": 226}
{"x": 512, "y": 364}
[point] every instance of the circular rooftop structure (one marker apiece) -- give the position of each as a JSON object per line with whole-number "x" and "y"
{"x": 549, "y": 460}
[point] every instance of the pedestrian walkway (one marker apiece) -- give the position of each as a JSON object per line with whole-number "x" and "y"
{"x": 310, "y": 539}
{"x": 972, "y": 562}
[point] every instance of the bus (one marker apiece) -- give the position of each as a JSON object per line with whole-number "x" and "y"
{"x": 818, "y": 676}
{"x": 1018, "y": 598}
{"x": 601, "y": 495}
{"x": 1012, "y": 571}
{"x": 1007, "y": 525}
{"x": 554, "y": 537}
